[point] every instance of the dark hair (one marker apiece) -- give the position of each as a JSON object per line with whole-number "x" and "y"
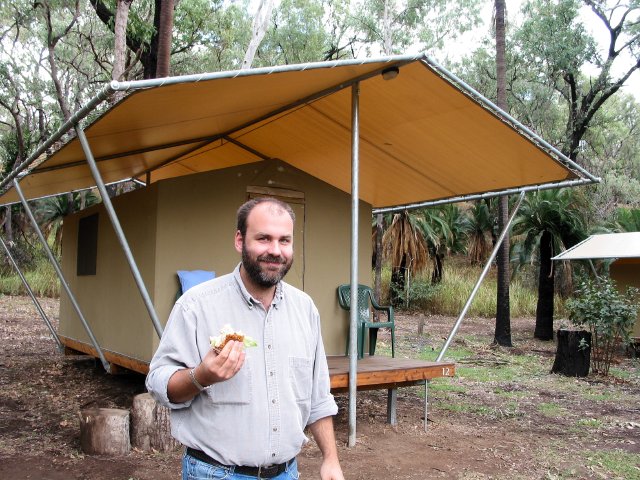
{"x": 245, "y": 210}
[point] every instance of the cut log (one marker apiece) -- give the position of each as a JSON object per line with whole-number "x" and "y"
{"x": 104, "y": 431}
{"x": 573, "y": 354}
{"x": 151, "y": 425}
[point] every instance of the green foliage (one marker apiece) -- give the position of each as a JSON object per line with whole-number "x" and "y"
{"x": 628, "y": 219}
{"x": 298, "y": 34}
{"x": 615, "y": 464}
{"x": 608, "y": 314}
{"x": 418, "y": 293}
{"x": 41, "y": 277}
{"x": 551, "y": 409}
{"x": 449, "y": 296}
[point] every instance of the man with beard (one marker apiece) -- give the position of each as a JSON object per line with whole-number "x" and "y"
{"x": 242, "y": 414}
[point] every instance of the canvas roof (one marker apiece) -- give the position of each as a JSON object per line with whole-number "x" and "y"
{"x": 609, "y": 245}
{"x": 422, "y": 137}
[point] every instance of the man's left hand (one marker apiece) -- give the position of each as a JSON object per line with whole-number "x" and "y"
{"x": 330, "y": 470}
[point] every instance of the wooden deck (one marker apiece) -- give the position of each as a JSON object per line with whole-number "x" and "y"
{"x": 376, "y": 372}
{"x": 388, "y": 373}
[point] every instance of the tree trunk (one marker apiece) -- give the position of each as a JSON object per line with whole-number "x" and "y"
{"x": 436, "y": 275}
{"x": 8, "y": 224}
{"x": 398, "y": 282}
{"x": 120, "y": 42}
{"x": 544, "y": 309}
{"x": 151, "y": 425}
{"x": 165, "y": 32}
{"x": 104, "y": 431}
{"x": 573, "y": 353}
{"x": 260, "y": 27}
{"x": 502, "y": 334}
{"x": 377, "y": 283}
{"x": 149, "y": 57}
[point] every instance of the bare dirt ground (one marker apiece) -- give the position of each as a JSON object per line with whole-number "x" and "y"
{"x": 503, "y": 416}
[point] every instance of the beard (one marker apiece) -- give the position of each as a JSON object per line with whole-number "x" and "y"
{"x": 263, "y": 277}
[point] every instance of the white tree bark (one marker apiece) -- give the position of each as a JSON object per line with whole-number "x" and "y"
{"x": 260, "y": 27}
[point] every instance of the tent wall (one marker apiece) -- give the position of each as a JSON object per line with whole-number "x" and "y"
{"x": 188, "y": 223}
{"x": 197, "y": 222}
{"x": 110, "y": 299}
{"x": 626, "y": 273}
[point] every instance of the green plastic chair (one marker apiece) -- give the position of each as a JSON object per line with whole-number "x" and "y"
{"x": 366, "y": 301}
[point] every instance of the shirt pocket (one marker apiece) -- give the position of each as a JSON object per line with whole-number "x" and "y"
{"x": 301, "y": 377}
{"x": 238, "y": 390}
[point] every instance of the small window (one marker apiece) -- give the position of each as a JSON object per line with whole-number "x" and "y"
{"x": 87, "y": 245}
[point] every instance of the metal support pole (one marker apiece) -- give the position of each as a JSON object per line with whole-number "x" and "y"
{"x": 353, "y": 311}
{"x": 426, "y": 403}
{"x": 392, "y": 402}
{"x": 36, "y": 303}
{"x": 118, "y": 230}
{"x": 63, "y": 280}
{"x": 454, "y": 330}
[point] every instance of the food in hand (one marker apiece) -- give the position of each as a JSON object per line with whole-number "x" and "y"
{"x": 227, "y": 334}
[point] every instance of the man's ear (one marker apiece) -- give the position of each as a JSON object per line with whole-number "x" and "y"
{"x": 238, "y": 241}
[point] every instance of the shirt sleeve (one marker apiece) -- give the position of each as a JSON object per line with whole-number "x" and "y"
{"x": 322, "y": 401}
{"x": 177, "y": 350}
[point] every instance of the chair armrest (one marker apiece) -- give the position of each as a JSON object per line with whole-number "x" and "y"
{"x": 381, "y": 308}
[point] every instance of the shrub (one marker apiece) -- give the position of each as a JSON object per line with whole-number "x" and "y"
{"x": 608, "y": 314}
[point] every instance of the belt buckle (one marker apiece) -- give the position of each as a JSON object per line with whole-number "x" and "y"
{"x": 267, "y": 470}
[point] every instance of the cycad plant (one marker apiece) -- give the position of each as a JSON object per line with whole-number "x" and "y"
{"x": 405, "y": 247}
{"x": 51, "y": 211}
{"x": 549, "y": 222}
{"x": 627, "y": 220}
{"x": 481, "y": 229}
{"x": 446, "y": 229}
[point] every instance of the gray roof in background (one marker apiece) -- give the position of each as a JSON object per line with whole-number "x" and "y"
{"x": 609, "y": 245}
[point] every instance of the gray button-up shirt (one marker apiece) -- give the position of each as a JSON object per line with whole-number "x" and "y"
{"x": 258, "y": 416}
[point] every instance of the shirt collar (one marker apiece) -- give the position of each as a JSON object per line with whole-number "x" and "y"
{"x": 248, "y": 298}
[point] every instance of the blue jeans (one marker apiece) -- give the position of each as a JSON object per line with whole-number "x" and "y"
{"x": 194, "y": 469}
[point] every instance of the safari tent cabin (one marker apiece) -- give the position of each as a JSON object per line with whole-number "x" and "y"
{"x": 626, "y": 273}
{"x": 623, "y": 249}
{"x": 188, "y": 223}
{"x": 395, "y": 132}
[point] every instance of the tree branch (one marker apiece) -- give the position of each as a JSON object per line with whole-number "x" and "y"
{"x": 108, "y": 18}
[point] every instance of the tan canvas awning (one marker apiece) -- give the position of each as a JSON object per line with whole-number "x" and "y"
{"x": 608, "y": 245}
{"x": 421, "y": 136}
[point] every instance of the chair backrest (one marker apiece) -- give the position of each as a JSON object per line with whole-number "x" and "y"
{"x": 364, "y": 292}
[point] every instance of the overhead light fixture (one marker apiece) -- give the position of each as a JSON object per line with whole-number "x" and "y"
{"x": 390, "y": 73}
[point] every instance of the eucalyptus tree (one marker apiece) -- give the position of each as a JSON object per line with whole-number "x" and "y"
{"x": 611, "y": 150}
{"x": 198, "y": 28}
{"x": 554, "y": 39}
{"x": 25, "y": 97}
{"x": 394, "y": 26}
{"x": 549, "y": 222}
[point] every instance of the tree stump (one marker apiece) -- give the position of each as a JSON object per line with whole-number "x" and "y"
{"x": 104, "y": 431}
{"x": 151, "y": 425}
{"x": 573, "y": 354}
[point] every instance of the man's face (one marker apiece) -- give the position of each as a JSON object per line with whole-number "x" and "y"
{"x": 267, "y": 247}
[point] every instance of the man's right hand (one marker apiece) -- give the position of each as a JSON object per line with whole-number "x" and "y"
{"x": 220, "y": 367}
{"x": 213, "y": 369}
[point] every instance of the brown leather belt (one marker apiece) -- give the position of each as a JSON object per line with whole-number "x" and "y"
{"x": 268, "y": 471}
